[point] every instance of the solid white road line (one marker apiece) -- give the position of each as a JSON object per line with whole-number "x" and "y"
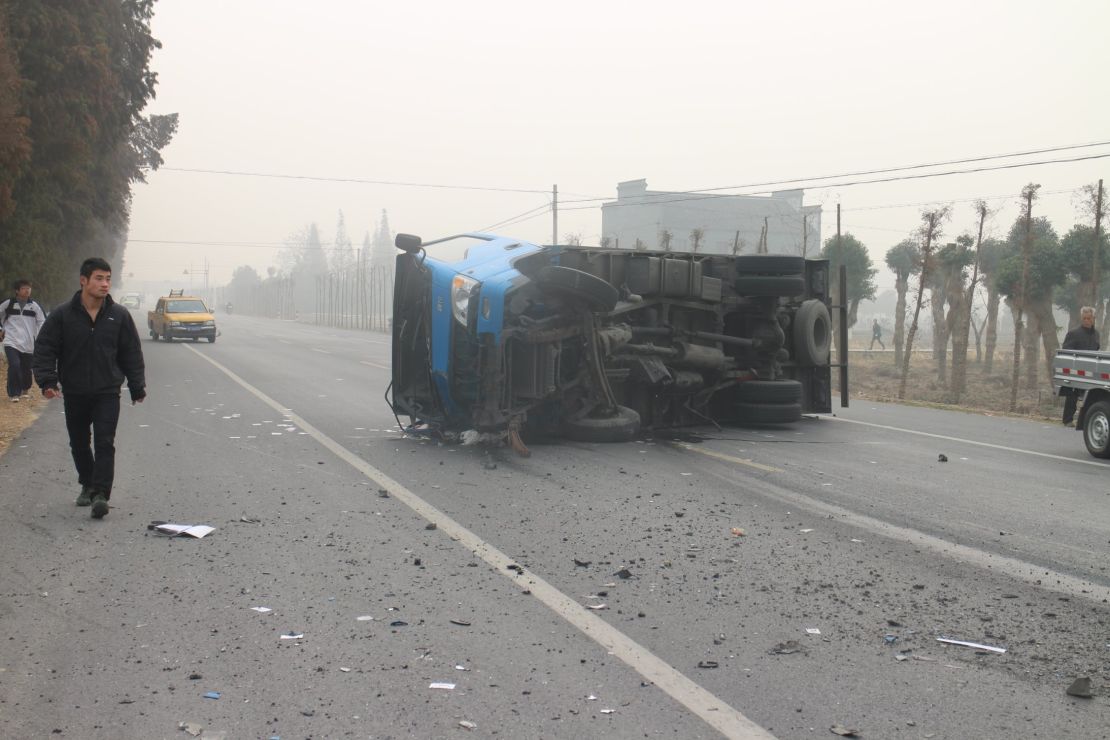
{"x": 715, "y": 712}
{"x": 970, "y": 442}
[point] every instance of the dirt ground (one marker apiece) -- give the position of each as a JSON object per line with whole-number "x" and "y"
{"x": 871, "y": 376}
{"x": 15, "y": 417}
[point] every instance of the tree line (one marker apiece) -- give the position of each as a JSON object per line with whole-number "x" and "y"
{"x": 74, "y": 79}
{"x": 1032, "y": 271}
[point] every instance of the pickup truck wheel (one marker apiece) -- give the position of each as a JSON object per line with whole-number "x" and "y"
{"x": 769, "y": 413}
{"x": 1096, "y": 429}
{"x": 196, "y": 339}
{"x": 154, "y": 335}
{"x": 167, "y": 338}
{"x": 770, "y": 264}
{"x": 770, "y": 285}
{"x": 812, "y": 334}
{"x": 600, "y": 295}
{"x": 621, "y": 426}
{"x": 211, "y": 340}
{"x": 769, "y": 391}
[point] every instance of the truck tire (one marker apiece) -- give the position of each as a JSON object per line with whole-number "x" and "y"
{"x": 812, "y": 334}
{"x": 761, "y": 286}
{"x": 1096, "y": 429}
{"x": 769, "y": 413}
{"x": 769, "y": 391}
{"x": 154, "y": 335}
{"x": 770, "y": 264}
{"x": 598, "y": 294}
{"x": 167, "y": 338}
{"x": 212, "y": 340}
{"x": 622, "y": 426}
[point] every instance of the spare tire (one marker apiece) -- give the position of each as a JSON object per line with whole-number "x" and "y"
{"x": 769, "y": 391}
{"x": 598, "y": 294}
{"x": 768, "y": 413}
{"x": 621, "y": 426}
{"x": 812, "y": 332}
{"x": 770, "y": 285}
{"x": 770, "y": 264}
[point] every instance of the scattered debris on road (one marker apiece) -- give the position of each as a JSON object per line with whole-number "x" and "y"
{"x": 212, "y": 695}
{"x": 787, "y": 648}
{"x": 844, "y": 731}
{"x": 1080, "y": 687}
{"x": 293, "y": 636}
{"x": 942, "y": 457}
{"x": 976, "y": 645}
{"x": 179, "y": 530}
{"x": 442, "y": 685}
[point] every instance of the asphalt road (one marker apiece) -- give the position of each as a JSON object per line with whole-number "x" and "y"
{"x": 277, "y": 435}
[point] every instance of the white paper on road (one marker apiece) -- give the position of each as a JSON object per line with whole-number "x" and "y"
{"x": 976, "y": 645}
{"x": 189, "y": 530}
{"x": 262, "y": 609}
{"x": 445, "y": 686}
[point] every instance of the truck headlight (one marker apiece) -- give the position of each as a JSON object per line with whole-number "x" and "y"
{"x": 209, "y": 323}
{"x": 462, "y": 288}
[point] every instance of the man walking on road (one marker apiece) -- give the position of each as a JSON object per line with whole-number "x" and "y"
{"x": 1083, "y": 337}
{"x": 876, "y": 335}
{"x": 88, "y": 346}
{"x": 20, "y": 321}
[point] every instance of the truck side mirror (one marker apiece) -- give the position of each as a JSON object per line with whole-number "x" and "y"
{"x": 408, "y": 243}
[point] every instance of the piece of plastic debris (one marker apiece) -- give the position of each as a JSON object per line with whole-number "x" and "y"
{"x": 812, "y": 631}
{"x": 890, "y": 639}
{"x": 901, "y": 656}
{"x": 250, "y": 520}
{"x": 292, "y": 635}
{"x": 581, "y": 563}
{"x": 786, "y": 648}
{"x": 608, "y": 711}
{"x": 591, "y": 697}
{"x": 844, "y": 731}
{"x": 707, "y": 664}
{"x": 365, "y": 618}
{"x": 261, "y": 609}
{"x": 1080, "y": 687}
{"x": 976, "y": 645}
{"x": 181, "y": 530}
{"x": 623, "y": 573}
{"x": 461, "y": 667}
{"x": 942, "y": 457}
{"x": 344, "y": 669}
{"x": 737, "y": 532}
{"x": 398, "y": 623}
{"x": 597, "y": 607}
{"x": 442, "y": 685}
{"x": 805, "y": 531}
{"x": 430, "y": 525}
{"x": 467, "y": 724}
{"x": 193, "y": 728}
{"x": 212, "y": 695}
{"x": 460, "y": 622}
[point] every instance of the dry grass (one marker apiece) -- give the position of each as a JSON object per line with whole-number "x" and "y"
{"x": 873, "y": 376}
{"x": 15, "y": 417}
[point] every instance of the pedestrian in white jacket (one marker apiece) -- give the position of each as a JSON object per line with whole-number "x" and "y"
{"x": 20, "y": 321}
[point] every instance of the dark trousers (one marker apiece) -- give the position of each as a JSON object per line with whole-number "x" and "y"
{"x": 19, "y": 371}
{"x": 1070, "y": 400}
{"x": 93, "y": 418}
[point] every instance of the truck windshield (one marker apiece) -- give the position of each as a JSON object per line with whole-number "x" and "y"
{"x": 186, "y": 307}
{"x": 454, "y": 248}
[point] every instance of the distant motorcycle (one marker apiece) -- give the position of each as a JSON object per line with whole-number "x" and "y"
{"x": 228, "y": 308}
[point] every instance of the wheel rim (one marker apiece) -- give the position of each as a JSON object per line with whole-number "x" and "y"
{"x": 1099, "y": 430}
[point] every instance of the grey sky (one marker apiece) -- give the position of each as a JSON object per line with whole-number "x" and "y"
{"x": 586, "y": 94}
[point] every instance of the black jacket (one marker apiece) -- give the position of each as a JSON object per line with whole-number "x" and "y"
{"x": 87, "y": 357}
{"x": 1081, "y": 338}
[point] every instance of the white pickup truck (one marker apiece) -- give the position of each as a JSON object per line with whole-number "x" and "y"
{"x": 1087, "y": 373}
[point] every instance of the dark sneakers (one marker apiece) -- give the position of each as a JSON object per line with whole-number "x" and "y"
{"x": 99, "y": 506}
{"x": 86, "y": 497}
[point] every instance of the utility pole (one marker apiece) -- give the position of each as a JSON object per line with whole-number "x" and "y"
{"x": 554, "y": 214}
{"x": 1096, "y": 300}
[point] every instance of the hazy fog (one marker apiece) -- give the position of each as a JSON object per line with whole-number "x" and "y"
{"x": 523, "y": 96}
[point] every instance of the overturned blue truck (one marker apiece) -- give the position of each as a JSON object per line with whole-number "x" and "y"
{"x": 502, "y": 336}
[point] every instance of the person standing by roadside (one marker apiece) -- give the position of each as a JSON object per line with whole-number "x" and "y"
{"x": 20, "y": 321}
{"x": 87, "y": 347}
{"x": 876, "y": 335}
{"x": 1083, "y": 337}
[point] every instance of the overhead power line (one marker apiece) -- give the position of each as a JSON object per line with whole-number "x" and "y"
{"x": 356, "y": 180}
{"x": 703, "y": 195}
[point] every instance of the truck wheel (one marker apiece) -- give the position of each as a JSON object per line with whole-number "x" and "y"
{"x": 1096, "y": 429}
{"x": 167, "y": 338}
{"x": 154, "y": 335}
{"x": 812, "y": 334}
{"x": 769, "y": 413}
{"x": 769, "y": 391}
{"x": 211, "y": 340}
{"x": 622, "y": 426}
{"x": 770, "y": 285}
{"x": 600, "y": 295}
{"x": 770, "y": 264}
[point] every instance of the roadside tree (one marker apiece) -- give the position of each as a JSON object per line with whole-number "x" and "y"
{"x": 904, "y": 260}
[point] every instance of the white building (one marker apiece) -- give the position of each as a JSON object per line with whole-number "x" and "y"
{"x": 721, "y": 224}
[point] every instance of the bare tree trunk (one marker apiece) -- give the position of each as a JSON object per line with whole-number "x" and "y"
{"x": 930, "y": 230}
{"x": 902, "y": 285}
{"x": 993, "y": 299}
{"x": 1049, "y": 332}
{"x": 1028, "y": 193}
{"x": 978, "y": 328}
{"x": 1029, "y": 346}
{"x": 960, "y": 338}
{"x": 940, "y": 334}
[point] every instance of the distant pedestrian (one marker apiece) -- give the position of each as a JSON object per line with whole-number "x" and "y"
{"x": 876, "y": 335}
{"x": 20, "y": 321}
{"x": 88, "y": 346}
{"x": 1082, "y": 337}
